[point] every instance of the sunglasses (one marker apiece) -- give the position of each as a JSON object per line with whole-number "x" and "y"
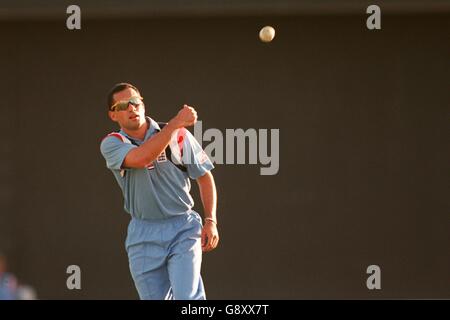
{"x": 123, "y": 104}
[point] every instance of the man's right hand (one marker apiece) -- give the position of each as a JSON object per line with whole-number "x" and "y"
{"x": 146, "y": 153}
{"x": 186, "y": 117}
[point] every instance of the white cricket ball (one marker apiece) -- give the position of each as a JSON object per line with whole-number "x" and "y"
{"x": 267, "y": 34}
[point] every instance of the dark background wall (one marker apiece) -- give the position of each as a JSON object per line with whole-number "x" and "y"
{"x": 363, "y": 119}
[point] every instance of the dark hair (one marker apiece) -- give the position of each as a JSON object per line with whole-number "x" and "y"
{"x": 117, "y": 88}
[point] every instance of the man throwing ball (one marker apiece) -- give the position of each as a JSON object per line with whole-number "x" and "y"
{"x": 153, "y": 164}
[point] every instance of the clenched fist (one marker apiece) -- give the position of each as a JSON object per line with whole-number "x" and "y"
{"x": 186, "y": 117}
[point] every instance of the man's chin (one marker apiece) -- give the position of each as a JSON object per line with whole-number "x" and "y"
{"x": 134, "y": 126}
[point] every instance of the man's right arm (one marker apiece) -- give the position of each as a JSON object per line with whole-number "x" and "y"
{"x": 146, "y": 153}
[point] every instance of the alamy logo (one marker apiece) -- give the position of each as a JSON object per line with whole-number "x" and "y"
{"x": 374, "y": 280}
{"x": 73, "y": 21}
{"x": 374, "y": 20}
{"x": 74, "y": 280}
{"x": 250, "y": 146}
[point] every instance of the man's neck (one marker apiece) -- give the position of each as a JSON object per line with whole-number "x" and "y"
{"x": 139, "y": 133}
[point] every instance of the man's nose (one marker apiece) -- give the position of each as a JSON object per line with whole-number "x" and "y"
{"x": 133, "y": 107}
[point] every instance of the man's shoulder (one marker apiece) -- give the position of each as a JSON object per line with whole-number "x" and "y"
{"x": 111, "y": 141}
{"x": 114, "y": 136}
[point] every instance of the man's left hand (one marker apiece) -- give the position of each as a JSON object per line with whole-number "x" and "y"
{"x": 210, "y": 236}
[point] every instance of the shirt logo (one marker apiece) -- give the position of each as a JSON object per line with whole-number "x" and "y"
{"x": 162, "y": 157}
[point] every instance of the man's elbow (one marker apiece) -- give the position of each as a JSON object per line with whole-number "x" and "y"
{"x": 206, "y": 177}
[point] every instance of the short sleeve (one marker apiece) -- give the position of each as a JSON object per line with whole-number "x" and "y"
{"x": 194, "y": 157}
{"x": 114, "y": 151}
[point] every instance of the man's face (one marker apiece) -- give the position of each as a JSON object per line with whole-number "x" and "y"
{"x": 134, "y": 117}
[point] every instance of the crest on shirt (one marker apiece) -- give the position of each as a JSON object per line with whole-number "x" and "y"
{"x": 162, "y": 157}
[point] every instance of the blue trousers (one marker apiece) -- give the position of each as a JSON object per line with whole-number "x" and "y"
{"x": 165, "y": 257}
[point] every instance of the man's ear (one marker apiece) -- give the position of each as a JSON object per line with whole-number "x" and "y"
{"x": 112, "y": 116}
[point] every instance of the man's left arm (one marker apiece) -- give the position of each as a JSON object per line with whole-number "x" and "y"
{"x": 208, "y": 194}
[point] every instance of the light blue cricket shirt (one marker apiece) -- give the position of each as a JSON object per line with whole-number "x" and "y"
{"x": 161, "y": 190}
